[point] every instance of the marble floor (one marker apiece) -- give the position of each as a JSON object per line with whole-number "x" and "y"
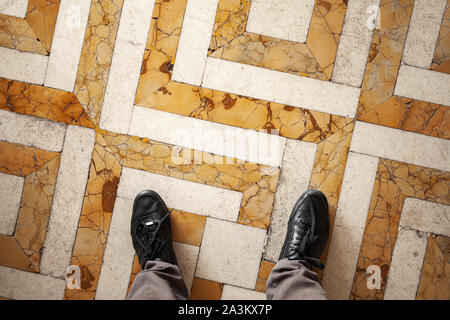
{"x": 229, "y": 109}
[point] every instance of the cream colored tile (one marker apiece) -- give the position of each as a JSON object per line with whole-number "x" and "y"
{"x": 426, "y": 216}
{"x": 423, "y": 32}
{"x": 187, "y": 260}
{"x": 68, "y": 199}
{"x": 22, "y": 66}
{"x": 182, "y": 194}
{"x": 401, "y": 146}
{"x": 236, "y": 293}
{"x": 406, "y": 265}
{"x": 31, "y": 131}
{"x": 354, "y": 44}
{"x": 421, "y": 84}
{"x": 126, "y": 65}
{"x": 119, "y": 254}
{"x": 281, "y": 87}
{"x": 288, "y": 19}
{"x": 230, "y": 253}
{"x": 194, "y": 41}
{"x": 68, "y": 40}
{"x": 349, "y": 223}
{"x": 16, "y": 8}
{"x": 220, "y": 139}
{"x": 296, "y": 171}
{"x": 11, "y": 187}
{"x": 21, "y": 285}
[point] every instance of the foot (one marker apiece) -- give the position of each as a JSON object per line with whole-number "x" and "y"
{"x": 151, "y": 232}
{"x": 308, "y": 229}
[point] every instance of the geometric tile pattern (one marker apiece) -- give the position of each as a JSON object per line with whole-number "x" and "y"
{"x": 230, "y": 109}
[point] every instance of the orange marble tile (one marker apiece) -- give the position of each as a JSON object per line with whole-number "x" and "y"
{"x": 377, "y": 104}
{"x": 393, "y": 183}
{"x": 11, "y": 254}
{"x": 412, "y": 115}
{"x": 16, "y": 33}
{"x": 435, "y": 279}
{"x": 157, "y": 91}
{"x": 329, "y": 166}
{"x": 187, "y": 227}
{"x": 41, "y": 17}
{"x": 96, "y": 55}
{"x": 205, "y": 290}
{"x": 23, "y": 249}
{"x": 21, "y": 160}
{"x": 264, "y": 272}
{"x": 441, "y": 59}
{"x": 231, "y": 42}
{"x": 49, "y": 103}
{"x": 35, "y": 32}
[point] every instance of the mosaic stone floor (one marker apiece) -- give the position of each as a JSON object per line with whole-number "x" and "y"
{"x": 229, "y": 109}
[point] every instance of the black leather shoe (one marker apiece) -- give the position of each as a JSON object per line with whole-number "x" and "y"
{"x": 308, "y": 229}
{"x": 151, "y": 231}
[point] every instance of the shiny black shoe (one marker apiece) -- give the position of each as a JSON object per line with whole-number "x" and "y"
{"x": 308, "y": 229}
{"x": 151, "y": 231}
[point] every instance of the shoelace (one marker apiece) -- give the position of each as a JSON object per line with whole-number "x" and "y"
{"x": 149, "y": 230}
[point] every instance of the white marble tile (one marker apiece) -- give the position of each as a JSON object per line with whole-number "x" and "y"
{"x": 421, "y": 84}
{"x": 182, "y": 194}
{"x": 349, "y": 223}
{"x": 126, "y": 65}
{"x": 354, "y": 43}
{"x": 22, "y": 285}
{"x": 423, "y": 32}
{"x": 230, "y": 253}
{"x": 426, "y": 216}
{"x": 236, "y": 293}
{"x": 67, "y": 201}
{"x": 406, "y": 265}
{"x": 12, "y": 187}
{"x": 194, "y": 41}
{"x": 216, "y": 138}
{"x": 16, "y": 8}
{"x": 294, "y": 179}
{"x": 280, "y": 87}
{"x": 68, "y": 40}
{"x": 119, "y": 254}
{"x": 187, "y": 260}
{"x": 31, "y": 131}
{"x": 401, "y": 146}
{"x": 361, "y": 18}
{"x": 22, "y": 66}
{"x": 288, "y": 19}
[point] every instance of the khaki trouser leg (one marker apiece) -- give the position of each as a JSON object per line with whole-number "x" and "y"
{"x": 293, "y": 280}
{"x": 158, "y": 281}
